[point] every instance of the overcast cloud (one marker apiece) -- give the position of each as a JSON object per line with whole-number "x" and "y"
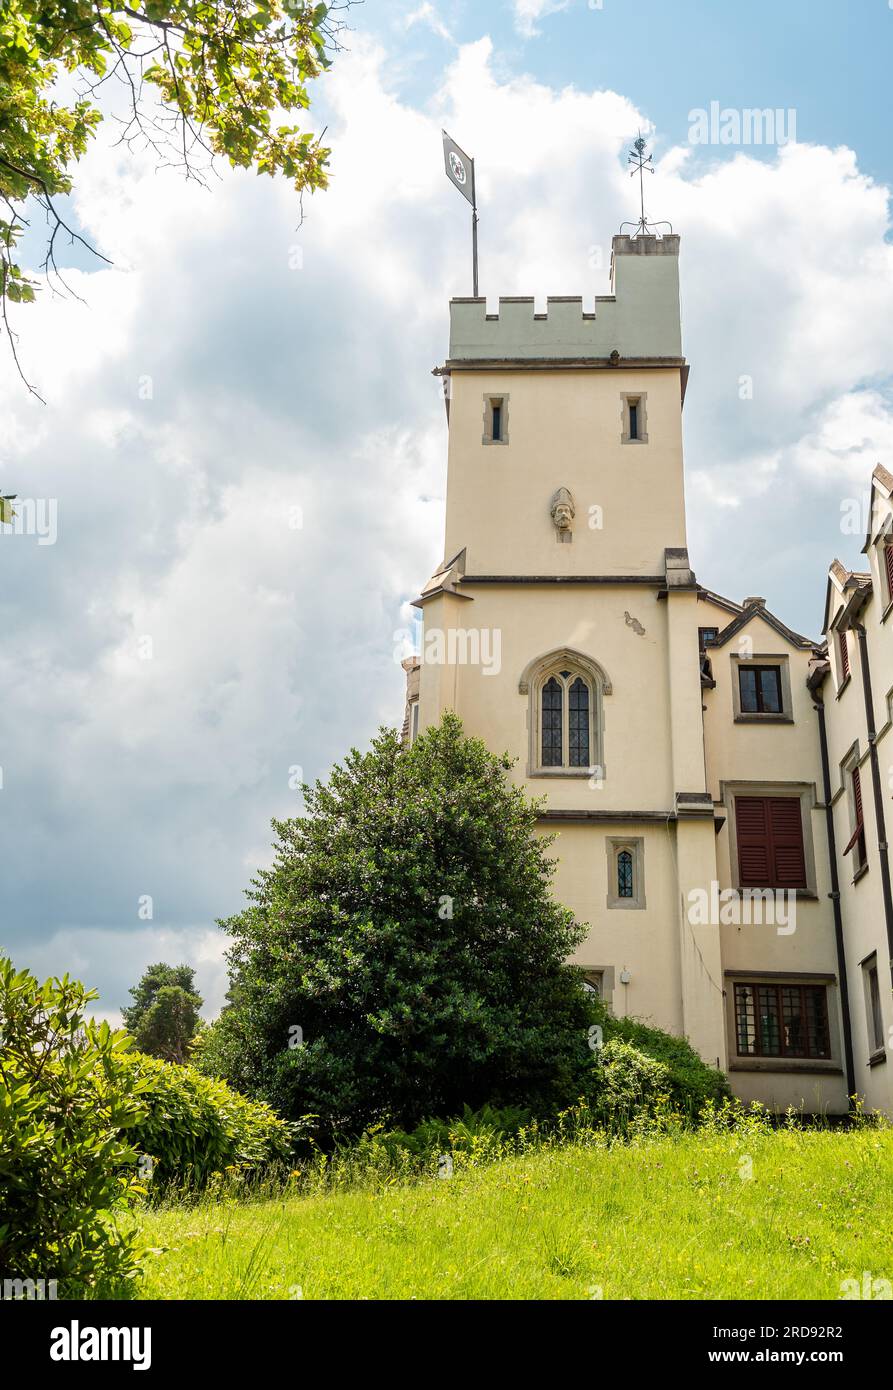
{"x": 248, "y": 453}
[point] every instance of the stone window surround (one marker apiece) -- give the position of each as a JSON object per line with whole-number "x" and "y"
{"x": 806, "y": 791}
{"x": 782, "y": 661}
{"x": 641, "y": 400}
{"x": 744, "y": 1062}
{"x": 502, "y": 398}
{"x": 534, "y": 676}
{"x": 614, "y": 844}
{"x": 607, "y": 979}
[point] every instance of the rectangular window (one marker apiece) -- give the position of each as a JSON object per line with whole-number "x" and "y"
{"x": 781, "y": 1020}
{"x": 857, "y": 842}
{"x": 760, "y": 689}
{"x": 634, "y": 419}
{"x": 413, "y": 721}
{"x": 769, "y": 832}
{"x": 497, "y": 421}
{"x": 873, "y": 1005}
{"x": 843, "y": 648}
{"x": 626, "y": 873}
{"x": 705, "y": 635}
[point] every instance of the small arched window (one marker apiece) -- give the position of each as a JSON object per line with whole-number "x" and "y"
{"x": 624, "y": 874}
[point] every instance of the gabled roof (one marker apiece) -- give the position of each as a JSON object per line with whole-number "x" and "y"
{"x": 727, "y": 603}
{"x": 882, "y": 482}
{"x": 844, "y": 581}
{"x": 759, "y": 610}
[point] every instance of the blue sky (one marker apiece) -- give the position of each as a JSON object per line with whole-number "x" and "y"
{"x": 245, "y": 449}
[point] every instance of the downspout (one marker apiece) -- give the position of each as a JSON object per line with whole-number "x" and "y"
{"x": 819, "y": 706}
{"x": 859, "y": 629}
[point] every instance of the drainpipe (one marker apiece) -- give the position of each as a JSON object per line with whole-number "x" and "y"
{"x": 819, "y": 707}
{"x": 878, "y": 790}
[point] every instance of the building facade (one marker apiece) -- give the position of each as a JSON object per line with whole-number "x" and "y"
{"x": 709, "y": 774}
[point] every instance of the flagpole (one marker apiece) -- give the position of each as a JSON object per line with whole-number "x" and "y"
{"x": 474, "y": 233}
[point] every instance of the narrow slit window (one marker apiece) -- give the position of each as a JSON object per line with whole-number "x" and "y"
{"x": 634, "y": 419}
{"x": 496, "y": 409}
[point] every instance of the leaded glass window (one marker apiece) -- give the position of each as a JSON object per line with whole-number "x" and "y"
{"x": 624, "y": 874}
{"x": 566, "y": 710}
{"x": 578, "y": 723}
{"x": 553, "y": 701}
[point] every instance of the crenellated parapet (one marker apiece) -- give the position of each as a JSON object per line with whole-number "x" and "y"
{"x": 639, "y": 320}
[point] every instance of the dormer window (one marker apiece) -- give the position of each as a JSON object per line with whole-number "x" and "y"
{"x": 760, "y": 689}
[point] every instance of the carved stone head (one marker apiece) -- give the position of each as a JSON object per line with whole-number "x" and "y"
{"x": 562, "y": 509}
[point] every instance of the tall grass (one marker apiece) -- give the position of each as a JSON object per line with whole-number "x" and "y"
{"x": 736, "y": 1209}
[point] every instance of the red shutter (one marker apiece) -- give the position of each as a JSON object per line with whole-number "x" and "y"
{"x": 770, "y": 842}
{"x": 844, "y": 650}
{"x": 786, "y": 825}
{"x": 857, "y": 794}
{"x": 754, "y": 852}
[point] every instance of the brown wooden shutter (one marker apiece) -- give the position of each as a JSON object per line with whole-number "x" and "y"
{"x": 754, "y": 851}
{"x": 843, "y": 648}
{"x": 857, "y": 795}
{"x": 888, "y": 562}
{"x": 786, "y": 826}
{"x": 770, "y": 842}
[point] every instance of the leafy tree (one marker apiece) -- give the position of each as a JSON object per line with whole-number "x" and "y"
{"x": 67, "y": 1172}
{"x": 404, "y": 955}
{"x": 164, "y": 1016}
{"x": 200, "y": 78}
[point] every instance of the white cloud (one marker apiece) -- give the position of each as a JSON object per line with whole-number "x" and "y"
{"x": 528, "y": 13}
{"x": 274, "y": 388}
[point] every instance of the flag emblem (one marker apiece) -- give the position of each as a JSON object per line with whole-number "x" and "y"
{"x": 457, "y": 167}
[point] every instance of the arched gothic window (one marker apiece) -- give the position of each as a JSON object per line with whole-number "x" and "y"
{"x": 565, "y": 691}
{"x": 565, "y": 720}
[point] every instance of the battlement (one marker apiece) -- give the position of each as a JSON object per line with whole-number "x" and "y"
{"x": 640, "y": 319}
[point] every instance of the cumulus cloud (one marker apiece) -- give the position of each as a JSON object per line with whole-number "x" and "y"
{"x": 248, "y": 454}
{"x": 528, "y": 13}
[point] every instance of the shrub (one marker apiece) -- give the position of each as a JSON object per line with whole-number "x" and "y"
{"x": 691, "y": 1083}
{"x": 67, "y": 1172}
{"x": 629, "y": 1085}
{"x": 408, "y": 930}
{"x": 195, "y": 1126}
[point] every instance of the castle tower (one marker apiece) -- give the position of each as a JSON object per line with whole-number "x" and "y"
{"x": 562, "y": 625}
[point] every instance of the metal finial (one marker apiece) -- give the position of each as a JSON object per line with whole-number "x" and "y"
{"x": 644, "y": 164}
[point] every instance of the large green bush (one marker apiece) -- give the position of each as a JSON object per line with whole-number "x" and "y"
{"x": 67, "y": 1106}
{"x": 404, "y": 956}
{"x": 194, "y": 1126}
{"x": 691, "y": 1083}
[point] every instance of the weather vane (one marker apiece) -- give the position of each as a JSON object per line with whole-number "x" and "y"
{"x": 639, "y": 160}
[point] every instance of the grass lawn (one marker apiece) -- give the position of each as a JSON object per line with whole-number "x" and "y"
{"x": 775, "y": 1215}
